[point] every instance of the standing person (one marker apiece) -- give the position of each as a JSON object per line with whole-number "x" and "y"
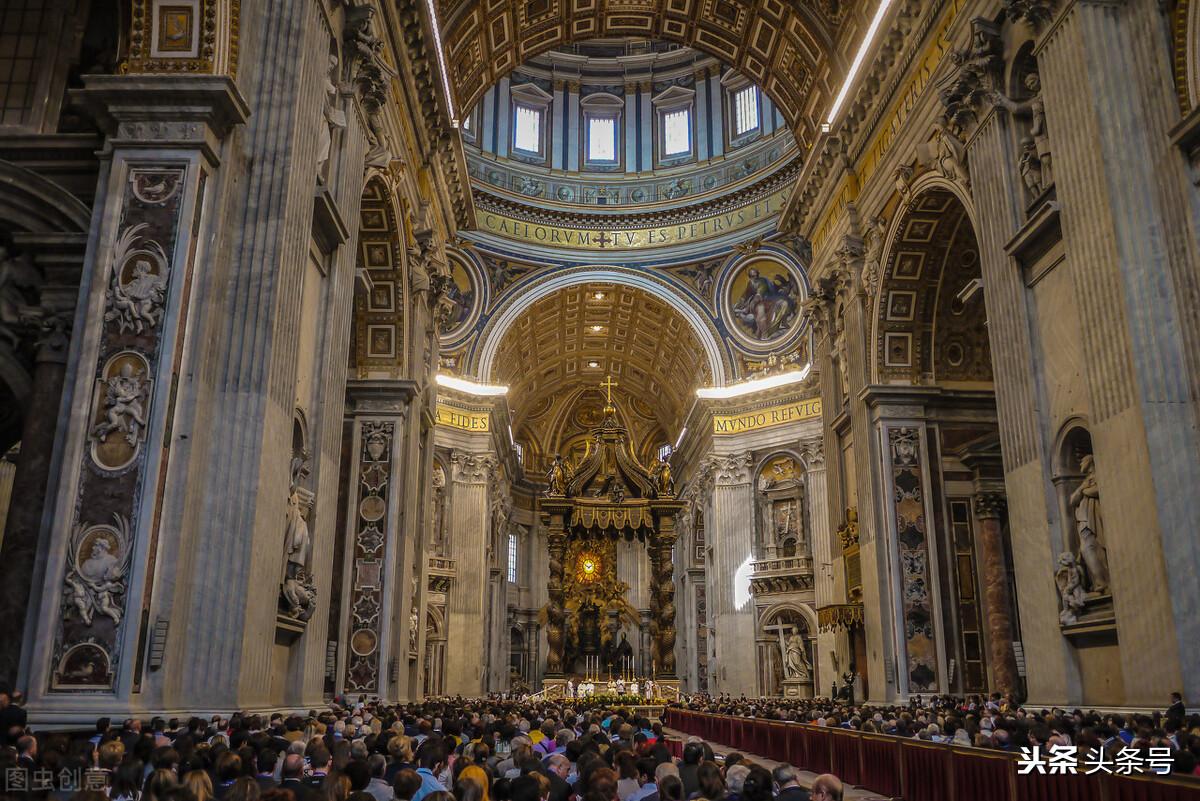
{"x": 1176, "y": 711}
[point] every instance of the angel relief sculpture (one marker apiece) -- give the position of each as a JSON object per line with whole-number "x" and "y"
{"x": 1069, "y": 580}
{"x": 123, "y": 405}
{"x": 98, "y": 564}
{"x": 137, "y": 292}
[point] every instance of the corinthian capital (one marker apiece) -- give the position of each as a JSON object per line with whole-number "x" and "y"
{"x": 813, "y": 451}
{"x": 470, "y": 468}
{"x": 729, "y": 470}
{"x": 990, "y": 505}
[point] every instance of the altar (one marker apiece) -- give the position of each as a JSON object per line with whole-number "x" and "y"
{"x": 587, "y": 509}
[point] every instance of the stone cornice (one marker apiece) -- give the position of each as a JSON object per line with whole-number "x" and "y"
{"x": 666, "y": 217}
{"x": 833, "y": 154}
{"x": 185, "y": 111}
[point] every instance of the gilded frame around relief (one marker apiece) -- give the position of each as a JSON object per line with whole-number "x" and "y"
{"x": 183, "y": 37}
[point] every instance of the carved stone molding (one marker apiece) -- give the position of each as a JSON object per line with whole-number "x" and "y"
{"x": 836, "y": 617}
{"x": 813, "y": 453}
{"x": 1034, "y": 12}
{"x": 976, "y": 74}
{"x": 990, "y": 505}
{"x": 469, "y": 468}
{"x": 873, "y": 242}
{"x": 731, "y": 470}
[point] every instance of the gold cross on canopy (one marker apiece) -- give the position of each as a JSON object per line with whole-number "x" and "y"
{"x": 608, "y": 384}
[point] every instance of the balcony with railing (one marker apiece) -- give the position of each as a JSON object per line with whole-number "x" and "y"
{"x": 781, "y": 574}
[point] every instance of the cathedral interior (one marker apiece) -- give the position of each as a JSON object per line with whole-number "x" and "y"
{"x": 412, "y": 349}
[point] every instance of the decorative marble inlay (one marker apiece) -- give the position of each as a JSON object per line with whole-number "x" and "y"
{"x": 911, "y": 539}
{"x": 375, "y": 474}
{"x": 139, "y": 279}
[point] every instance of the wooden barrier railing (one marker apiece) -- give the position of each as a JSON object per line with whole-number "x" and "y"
{"x": 916, "y": 770}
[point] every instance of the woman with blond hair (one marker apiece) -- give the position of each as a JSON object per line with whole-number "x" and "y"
{"x": 335, "y": 787}
{"x": 473, "y": 774}
{"x": 200, "y": 785}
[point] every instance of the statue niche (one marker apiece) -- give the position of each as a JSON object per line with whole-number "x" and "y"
{"x": 297, "y": 591}
{"x": 1081, "y": 572}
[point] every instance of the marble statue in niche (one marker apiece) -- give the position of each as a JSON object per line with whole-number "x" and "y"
{"x": 1035, "y": 159}
{"x": 795, "y": 661}
{"x": 333, "y": 118}
{"x": 1089, "y": 524}
{"x": 298, "y": 591}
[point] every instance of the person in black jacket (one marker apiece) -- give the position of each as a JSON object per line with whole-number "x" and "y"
{"x": 787, "y": 779}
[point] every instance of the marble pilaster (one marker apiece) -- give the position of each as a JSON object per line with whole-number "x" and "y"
{"x": 167, "y": 136}
{"x": 467, "y": 608}
{"x": 731, "y": 611}
{"x": 1133, "y": 254}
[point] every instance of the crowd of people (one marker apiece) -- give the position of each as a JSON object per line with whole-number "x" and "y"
{"x": 511, "y": 750}
{"x": 994, "y": 722}
{"x": 438, "y": 750}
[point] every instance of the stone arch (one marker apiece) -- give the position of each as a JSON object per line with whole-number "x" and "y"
{"x": 805, "y": 611}
{"x": 785, "y": 48}
{"x": 482, "y": 357}
{"x": 928, "y": 319}
{"x": 1190, "y": 30}
{"x": 380, "y": 334}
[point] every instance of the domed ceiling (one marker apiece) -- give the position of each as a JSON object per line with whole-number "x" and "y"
{"x": 556, "y": 353}
{"x": 621, "y": 145}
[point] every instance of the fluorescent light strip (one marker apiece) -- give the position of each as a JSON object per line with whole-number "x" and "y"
{"x": 682, "y": 434}
{"x": 469, "y": 387}
{"x": 858, "y": 60}
{"x": 757, "y": 385}
{"x": 441, "y": 60}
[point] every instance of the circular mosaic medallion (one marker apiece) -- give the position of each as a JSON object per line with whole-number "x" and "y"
{"x": 761, "y": 302}
{"x": 363, "y": 642}
{"x": 372, "y": 508}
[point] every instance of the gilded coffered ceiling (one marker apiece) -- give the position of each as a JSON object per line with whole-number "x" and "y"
{"x": 789, "y": 48}
{"x": 566, "y": 343}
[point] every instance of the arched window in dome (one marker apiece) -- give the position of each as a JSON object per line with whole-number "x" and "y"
{"x": 530, "y": 117}
{"x": 601, "y": 130}
{"x": 676, "y": 142}
{"x": 743, "y": 109}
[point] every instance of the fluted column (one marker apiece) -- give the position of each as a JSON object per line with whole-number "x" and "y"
{"x": 730, "y": 604}
{"x": 1133, "y": 252}
{"x": 467, "y": 607}
{"x": 989, "y": 509}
